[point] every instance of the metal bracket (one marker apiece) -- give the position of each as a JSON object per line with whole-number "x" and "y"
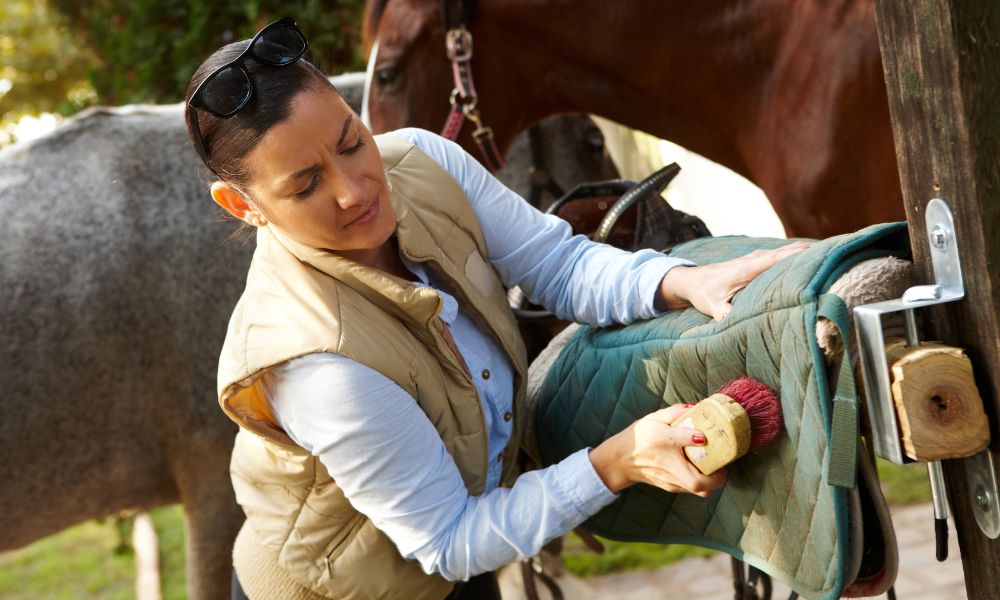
{"x": 981, "y": 480}
{"x": 948, "y": 286}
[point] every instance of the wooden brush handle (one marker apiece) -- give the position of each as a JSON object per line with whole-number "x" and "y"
{"x": 726, "y": 427}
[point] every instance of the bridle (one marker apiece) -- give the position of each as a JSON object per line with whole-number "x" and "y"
{"x": 464, "y": 99}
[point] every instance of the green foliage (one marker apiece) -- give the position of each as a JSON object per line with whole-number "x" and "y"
{"x": 60, "y": 56}
{"x": 41, "y": 69}
{"x": 148, "y": 49}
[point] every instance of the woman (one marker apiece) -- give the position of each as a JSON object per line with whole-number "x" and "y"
{"x": 372, "y": 363}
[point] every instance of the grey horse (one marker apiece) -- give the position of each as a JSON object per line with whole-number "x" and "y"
{"x": 117, "y": 278}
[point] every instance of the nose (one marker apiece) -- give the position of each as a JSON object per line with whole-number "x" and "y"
{"x": 350, "y": 193}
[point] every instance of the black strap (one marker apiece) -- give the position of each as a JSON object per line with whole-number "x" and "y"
{"x": 745, "y": 582}
{"x": 528, "y": 578}
{"x": 456, "y": 13}
{"x": 532, "y": 568}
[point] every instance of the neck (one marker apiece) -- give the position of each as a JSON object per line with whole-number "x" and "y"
{"x": 699, "y": 74}
{"x": 384, "y": 258}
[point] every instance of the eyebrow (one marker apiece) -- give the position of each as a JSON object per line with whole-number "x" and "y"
{"x": 317, "y": 167}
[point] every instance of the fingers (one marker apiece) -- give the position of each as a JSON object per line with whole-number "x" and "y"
{"x": 771, "y": 257}
{"x": 721, "y": 311}
{"x": 676, "y": 435}
{"x": 659, "y": 439}
{"x": 670, "y": 414}
{"x": 684, "y": 477}
{"x": 794, "y": 247}
{"x": 759, "y": 261}
{"x": 704, "y": 485}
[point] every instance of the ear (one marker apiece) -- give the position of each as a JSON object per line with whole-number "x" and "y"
{"x": 230, "y": 199}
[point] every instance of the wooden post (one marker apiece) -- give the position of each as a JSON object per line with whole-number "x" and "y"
{"x": 147, "y": 558}
{"x": 942, "y": 71}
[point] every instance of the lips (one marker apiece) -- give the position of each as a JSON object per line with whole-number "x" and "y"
{"x": 368, "y": 215}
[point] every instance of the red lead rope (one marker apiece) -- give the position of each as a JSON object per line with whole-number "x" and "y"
{"x": 458, "y": 47}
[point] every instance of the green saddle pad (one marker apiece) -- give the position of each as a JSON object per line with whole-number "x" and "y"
{"x": 783, "y": 508}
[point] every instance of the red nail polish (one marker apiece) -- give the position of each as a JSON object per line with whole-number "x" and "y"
{"x": 698, "y": 438}
{"x": 688, "y": 405}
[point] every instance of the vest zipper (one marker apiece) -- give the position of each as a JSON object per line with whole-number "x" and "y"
{"x": 439, "y": 341}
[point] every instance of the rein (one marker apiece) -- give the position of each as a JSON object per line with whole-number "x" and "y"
{"x": 464, "y": 99}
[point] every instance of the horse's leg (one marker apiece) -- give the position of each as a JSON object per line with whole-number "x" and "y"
{"x": 213, "y": 519}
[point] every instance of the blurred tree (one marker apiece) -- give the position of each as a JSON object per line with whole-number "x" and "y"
{"x": 63, "y": 55}
{"x": 41, "y": 69}
{"x": 148, "y": 49}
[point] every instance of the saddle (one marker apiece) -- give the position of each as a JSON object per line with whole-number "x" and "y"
{"x": 806, "y": 510}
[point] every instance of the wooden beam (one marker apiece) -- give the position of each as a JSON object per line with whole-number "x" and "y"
{"x": 942, "y": 70}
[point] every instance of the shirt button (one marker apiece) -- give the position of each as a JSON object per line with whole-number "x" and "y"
{"x": 507, "y": 416}
{"x": 486, "y": 373}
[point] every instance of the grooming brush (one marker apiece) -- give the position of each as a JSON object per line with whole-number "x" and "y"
{"x": 741, "y": 417}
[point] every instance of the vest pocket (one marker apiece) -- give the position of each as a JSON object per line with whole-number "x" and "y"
{"x": 342, "y": 539}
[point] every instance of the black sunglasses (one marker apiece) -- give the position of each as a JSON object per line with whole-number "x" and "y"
{"x": 228, "y": 89}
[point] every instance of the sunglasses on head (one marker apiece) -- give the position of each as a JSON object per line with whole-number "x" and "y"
{"x": 229, "y": 88}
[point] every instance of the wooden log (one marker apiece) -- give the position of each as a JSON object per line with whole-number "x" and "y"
{"x": 942, "y": 68}
{"x": 939, "y": 408}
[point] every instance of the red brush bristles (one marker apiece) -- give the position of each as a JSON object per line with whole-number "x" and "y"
{"x": 763, "y": 407}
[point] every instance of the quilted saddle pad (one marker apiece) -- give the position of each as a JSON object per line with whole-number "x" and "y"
{"x": 786, "y": 508}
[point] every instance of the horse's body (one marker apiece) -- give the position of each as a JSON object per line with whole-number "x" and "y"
{"x": 116, "y": 286}
{"x": 789, "y": 94}
{"x": 115, "y": 291}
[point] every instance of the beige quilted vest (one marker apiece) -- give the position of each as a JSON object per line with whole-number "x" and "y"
{"x": 302, "y": 538}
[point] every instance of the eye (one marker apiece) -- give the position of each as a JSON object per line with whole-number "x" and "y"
{"x": 594, "y": 140}
{"x": 386, "y": 75}
{"x": 309, "y": 189}
{"x": 355, "y": 147}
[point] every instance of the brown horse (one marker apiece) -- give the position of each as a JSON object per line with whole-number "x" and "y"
{"x": 788, "y": 93}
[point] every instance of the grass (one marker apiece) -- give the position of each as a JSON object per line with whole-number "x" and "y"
{"x": 89, "y": 560}
{"x": 623, "y": 556}
{"x": 904, "y": 485}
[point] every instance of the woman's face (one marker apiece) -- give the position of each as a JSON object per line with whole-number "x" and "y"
{"x": 318, "y": 177}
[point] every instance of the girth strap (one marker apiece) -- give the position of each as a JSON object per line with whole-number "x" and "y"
{"x": 842, "y": 466}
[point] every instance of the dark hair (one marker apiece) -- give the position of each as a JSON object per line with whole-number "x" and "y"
{"x": 229, "y": 140}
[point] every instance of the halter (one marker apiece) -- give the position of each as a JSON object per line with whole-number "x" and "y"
{"x": 463, "y": 99}
{"x": 458, "y": 49}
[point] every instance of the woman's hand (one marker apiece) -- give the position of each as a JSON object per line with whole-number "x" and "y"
{"x": 651, "y": 451}
{"x": 711, "y": 288}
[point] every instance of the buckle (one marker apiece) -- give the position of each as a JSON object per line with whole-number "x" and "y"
{"x": 464, "y": 103}
{"x": 458, "y": 44}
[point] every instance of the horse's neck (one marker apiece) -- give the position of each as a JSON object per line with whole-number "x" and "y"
{"x": 691, "y": 72}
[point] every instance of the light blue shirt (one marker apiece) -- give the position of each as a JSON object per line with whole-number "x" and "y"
{"x": 385, "y": 454}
